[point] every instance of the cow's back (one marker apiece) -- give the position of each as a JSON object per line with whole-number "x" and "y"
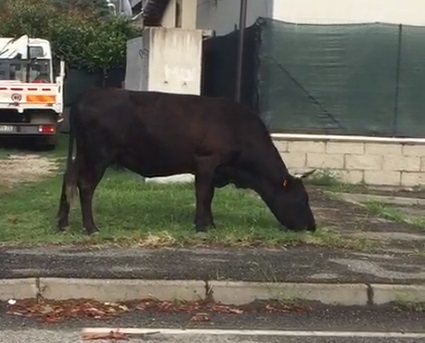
{"x": 155, "y": 132}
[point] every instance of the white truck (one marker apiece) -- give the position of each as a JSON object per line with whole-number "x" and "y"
{"x": 31, "y": 97}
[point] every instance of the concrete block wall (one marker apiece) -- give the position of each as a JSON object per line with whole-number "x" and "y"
{"x": 374, "y": 163}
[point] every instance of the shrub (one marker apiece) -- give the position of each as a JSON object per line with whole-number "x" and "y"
{"x": 83, "y": 34}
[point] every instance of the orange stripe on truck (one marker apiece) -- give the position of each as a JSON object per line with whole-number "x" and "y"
{"x": 41, "y": 99}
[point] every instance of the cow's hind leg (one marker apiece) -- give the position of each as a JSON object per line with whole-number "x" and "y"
{"x": 204, "y": 193}
{"x": 88, "y": 179}
{"x": 68, "y": 187}
{"x": 64, "y": 207}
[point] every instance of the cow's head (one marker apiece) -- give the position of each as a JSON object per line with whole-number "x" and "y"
{"x": 291, "y": 204}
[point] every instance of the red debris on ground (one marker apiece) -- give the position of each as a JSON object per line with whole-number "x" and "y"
{"x": 56, "y": 311}
{"x": 191, "y": 307}
{"x": 199, "y": 311}
{"x": 220, "y": 308}
{"x": 186, "y": 307}
{"x": 200, "y": 318}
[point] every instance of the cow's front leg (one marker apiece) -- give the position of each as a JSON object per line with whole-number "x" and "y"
{"x": 204, "y": 194}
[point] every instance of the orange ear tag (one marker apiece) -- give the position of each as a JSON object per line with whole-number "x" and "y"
{"x": 285, "y": 183}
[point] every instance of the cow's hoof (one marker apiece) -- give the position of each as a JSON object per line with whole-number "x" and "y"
{"x": 201, "y": 235}
{"x": 92, "y": 232}
{"x": 63, "y": 225}
{"x": 204, "y": 228}
{"x": 312, "y": 229}
{"x": 62, "y": 229}
{"x": 201, "y": 229}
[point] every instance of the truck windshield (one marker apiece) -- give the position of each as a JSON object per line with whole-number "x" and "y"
{"x": 25, "y": 71}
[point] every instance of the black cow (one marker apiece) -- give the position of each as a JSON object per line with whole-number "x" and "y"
{"x": 160, "y": 134}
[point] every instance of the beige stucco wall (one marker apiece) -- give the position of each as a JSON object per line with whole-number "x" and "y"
{"x": 393, "y": 164}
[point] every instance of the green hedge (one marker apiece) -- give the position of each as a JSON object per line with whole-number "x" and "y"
{"x": 81, "y": 33}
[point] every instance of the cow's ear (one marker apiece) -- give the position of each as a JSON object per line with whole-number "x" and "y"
{"x": 304, "y": 175}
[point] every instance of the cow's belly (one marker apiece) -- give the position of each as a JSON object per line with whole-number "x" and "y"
{"x": 149, "y": 164}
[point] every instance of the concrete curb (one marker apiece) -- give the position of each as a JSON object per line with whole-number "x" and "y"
{"x": 239, "y": 293}
{"x": 227, "y": 292}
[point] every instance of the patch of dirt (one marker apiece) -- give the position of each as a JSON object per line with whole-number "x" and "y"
{"x": 408, "y": 194}
{"x": 412, "y": 210}
{"x": 17, "y": 169}
{"x": 349, "y": 219}
{"x": 391, "y": 192}
{"x": 420, "y": 194}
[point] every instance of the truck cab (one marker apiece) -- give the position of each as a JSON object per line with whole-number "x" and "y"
{"x": 31, "y": 96}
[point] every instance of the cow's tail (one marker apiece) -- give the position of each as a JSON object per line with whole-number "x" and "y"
{"x": 70, "y": 179}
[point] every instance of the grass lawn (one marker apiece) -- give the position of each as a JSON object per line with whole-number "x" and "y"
{"x": 129, "y": 211}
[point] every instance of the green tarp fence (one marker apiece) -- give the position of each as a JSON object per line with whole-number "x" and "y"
{"x": 77, "y": 81}
{"x": 362, "y": 79}
{"x": 358, "y": 79}
{"x": 220, "y": 63}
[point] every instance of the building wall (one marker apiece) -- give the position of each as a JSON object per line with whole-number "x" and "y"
{"x": 355, "y": 161}
{"x": 409, "y": 12}
{"x": 223, "y": 15}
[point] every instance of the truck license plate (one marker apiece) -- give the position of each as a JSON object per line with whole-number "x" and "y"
{"x": 6, "y": 128}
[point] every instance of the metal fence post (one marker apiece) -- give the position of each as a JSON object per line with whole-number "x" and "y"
{"x": 239, "y": 63}
{"x": 397, "y": 82}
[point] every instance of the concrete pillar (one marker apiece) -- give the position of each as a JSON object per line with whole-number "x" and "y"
{"x": 170, "y": 15}
{"x": 188, "y": 14}
{"x": 165, "y": 60}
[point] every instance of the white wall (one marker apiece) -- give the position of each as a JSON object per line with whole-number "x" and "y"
{"x": 165, "y": 60}
{"x": 175, "y": 61}
{"x": 409, "y": 12}
{"x": 223, "y": 15}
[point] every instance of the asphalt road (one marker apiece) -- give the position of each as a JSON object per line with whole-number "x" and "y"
{"x": 300, "y": 264}
{"x": 331, "y": 322}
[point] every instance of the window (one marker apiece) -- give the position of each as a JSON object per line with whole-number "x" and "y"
{"x": 25, "y": 71}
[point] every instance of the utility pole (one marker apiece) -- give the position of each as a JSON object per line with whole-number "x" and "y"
{"x": 242, "y": 25}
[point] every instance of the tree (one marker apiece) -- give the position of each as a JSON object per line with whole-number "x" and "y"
{"x": 95, "y": 7}
{"x": 79, "y": 32}
{"x": 19, "y": 17}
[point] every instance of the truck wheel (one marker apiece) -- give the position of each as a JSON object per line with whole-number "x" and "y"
{"x": 45, "y": 142}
